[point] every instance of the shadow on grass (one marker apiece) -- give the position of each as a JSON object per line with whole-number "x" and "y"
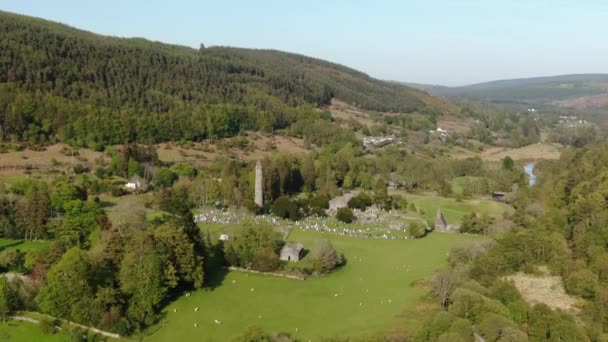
{"x": 12, "y": 244}
{"x": 215, "y": 266}
{"x": 106, "y": 204}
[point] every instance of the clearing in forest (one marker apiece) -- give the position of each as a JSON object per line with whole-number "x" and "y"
{"x": 544, "y": 288}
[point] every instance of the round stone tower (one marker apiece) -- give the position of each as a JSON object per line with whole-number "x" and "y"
{"x": 259, "y": 181}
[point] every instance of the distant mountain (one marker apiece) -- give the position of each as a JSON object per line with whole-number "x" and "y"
{"x": 56, "y": 80}
{"x": 566, "y": 90}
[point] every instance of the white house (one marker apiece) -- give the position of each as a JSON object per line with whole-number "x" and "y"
{"x": 136, "y": 183}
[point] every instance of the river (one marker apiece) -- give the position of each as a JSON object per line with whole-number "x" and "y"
{"x": 529, "y": 168}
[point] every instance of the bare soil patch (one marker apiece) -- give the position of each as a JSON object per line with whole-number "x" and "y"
{"x": 535, "y": 151}
{"x": 546, "y": 289}
{"x": 258, "y": 146}
{"x": 342, "y": 111}
{"x": 59, "y": 156}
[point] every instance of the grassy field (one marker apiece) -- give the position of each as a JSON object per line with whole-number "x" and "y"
{"x": 362, "y": 298}
{"x": 30, "y": 248}
{"x": 16, "y": 331}
{"x": 454, "y": 210}
{"x": 24, "y": 246}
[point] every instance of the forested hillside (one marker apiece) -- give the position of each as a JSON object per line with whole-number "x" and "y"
{"x": 531, "y": 91}
{"x": 57, "y": 82}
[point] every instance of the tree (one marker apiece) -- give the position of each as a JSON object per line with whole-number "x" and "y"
{"x": 65, "y": 192}
{"x": 507, "y": 163}
{"x": 443, "y": 285}
{"x": 67, "y": 284}
{"x": 381, "y": 192}
{"x": 361, "y": 201}
{"x": 494, "y": 326}
{"x": 345, "y": 215}
{"x": 324, "y": 252}
{"x": 284, "y": 207}
{"x": 81, "y": 218}
{"x": 581, "y": 282}
{"x": 178, "y": 252}
{"x": 248, "y": 243}
{"x": 141, "y": 278}
{"x": 308, "y": 173}
{"x": 416, "y": 230}
{"x": 7, "y": 298}
{"x": 164, "y": 177}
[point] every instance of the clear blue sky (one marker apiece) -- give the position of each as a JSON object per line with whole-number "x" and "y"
{"x": 448, "y": 42}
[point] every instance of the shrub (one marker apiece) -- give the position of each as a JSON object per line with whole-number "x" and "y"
{"x": 582, "y": 283}
{"x": 284, "y": 207}
{"x": 165, "y": 177}
{"x": 78, "y": 169}
{"x": 345, "y": 215}
{"x": 249, "y": 243}
{"x": 117, "y": 191}
{"x": 13, "y": 261}
{"x": 266, "y": 260}
{"x": 320, "y": 201}
{"x": 48, "y": 325}
{"x": 361, "y": 202}
{"x": 325, "y": 253}
{"x": 100, "y": 172}
{"x": 251, "y": 206}
{"x": 416, "y": 230}
{"x": 183, "y": 169}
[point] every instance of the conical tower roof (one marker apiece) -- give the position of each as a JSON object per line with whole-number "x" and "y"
{"x": 440, "y": 221}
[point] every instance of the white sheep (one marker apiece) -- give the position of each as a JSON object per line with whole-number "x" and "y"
{"x": 196, "y": 309}
{"x": 218, "y": 321}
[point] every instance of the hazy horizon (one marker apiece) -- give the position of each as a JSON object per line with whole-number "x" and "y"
{"x": 442, "y": 43}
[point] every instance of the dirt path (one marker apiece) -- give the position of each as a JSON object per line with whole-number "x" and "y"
{"x": 36, "y": 321}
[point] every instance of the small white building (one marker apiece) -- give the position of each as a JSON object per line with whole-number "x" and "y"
{"x": 136, "y": 183}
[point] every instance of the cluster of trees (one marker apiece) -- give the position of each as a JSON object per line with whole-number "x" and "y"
{"x": 89, "y": 90}
{"x": 257, "y": 247}
{"x": 577, "y": 136}
{"x": 113, "y": 277}
{"x": 503, "y": 126}
{"x": 559, "y": 224}
{"x": 476, "y": 301}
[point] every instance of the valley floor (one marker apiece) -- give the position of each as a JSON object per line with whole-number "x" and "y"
{"x": 364, "y": 297}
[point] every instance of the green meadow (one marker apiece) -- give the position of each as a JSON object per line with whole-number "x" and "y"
{"x": 452, "y": 209}
{"x": 18, "y": 331}
{"x": 360, "y": 299}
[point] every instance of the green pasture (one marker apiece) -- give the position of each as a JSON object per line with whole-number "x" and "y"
{"x": 362, "y": 298}
{"x": 452, "y": 209}
{"x": 18, "y": 331}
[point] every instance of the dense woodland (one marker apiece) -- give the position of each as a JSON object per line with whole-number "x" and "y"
{"x": 560, "y": 225}
{"x": 59, "y": 83}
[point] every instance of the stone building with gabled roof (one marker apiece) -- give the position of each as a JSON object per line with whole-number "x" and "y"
{"x": 441, "y": 224}
{"x": 292, "y": 251}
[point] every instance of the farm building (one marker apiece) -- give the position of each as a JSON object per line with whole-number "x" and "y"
{"x": 136, "y": 183}
{"x": 498, "y": 195}
{"x": 292, "y": 251}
